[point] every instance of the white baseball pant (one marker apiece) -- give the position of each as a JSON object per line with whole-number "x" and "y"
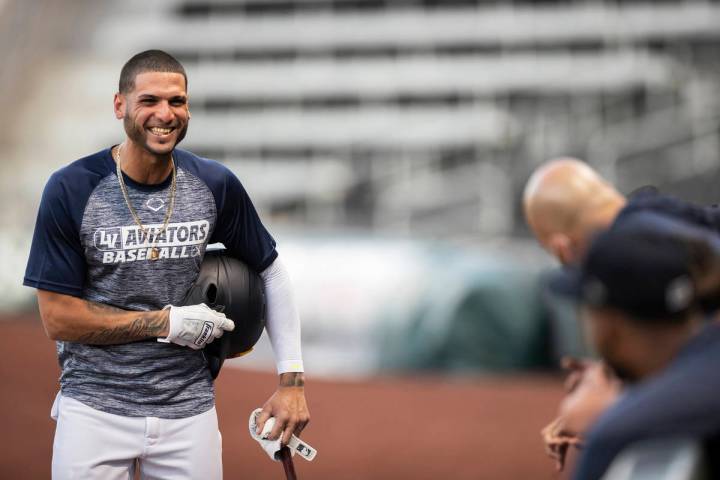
{"x": 90, "y": 444}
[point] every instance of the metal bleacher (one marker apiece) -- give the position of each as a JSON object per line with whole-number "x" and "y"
{"x": 407, "y": 114}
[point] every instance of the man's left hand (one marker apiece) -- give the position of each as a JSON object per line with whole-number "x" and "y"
{"x": 591, "y": 389}
{"x": 288, "y": 406}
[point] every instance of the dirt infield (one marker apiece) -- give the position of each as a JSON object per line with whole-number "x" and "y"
{"x": 386, "y": 428}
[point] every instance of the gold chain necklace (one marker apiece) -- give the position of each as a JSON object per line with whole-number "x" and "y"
{"x": 154, "y": 251}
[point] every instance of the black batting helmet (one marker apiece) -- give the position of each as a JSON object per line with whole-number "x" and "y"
{"x": 228, "y": 285}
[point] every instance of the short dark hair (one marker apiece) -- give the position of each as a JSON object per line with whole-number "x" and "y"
{"x": 148, "y": 61}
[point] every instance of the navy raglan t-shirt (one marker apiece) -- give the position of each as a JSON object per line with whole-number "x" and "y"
{"x": 654, "y": 409}
{"x": 86, "y": 244}
{"x": 648, "y": 199}
{"x": 681, "y": 401}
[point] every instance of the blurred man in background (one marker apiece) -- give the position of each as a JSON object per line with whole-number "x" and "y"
{"x": 646, "y": 287}
{"x": 566, "y": 203}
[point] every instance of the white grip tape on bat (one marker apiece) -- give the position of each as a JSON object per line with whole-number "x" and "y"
{"x": 273, "y": 447}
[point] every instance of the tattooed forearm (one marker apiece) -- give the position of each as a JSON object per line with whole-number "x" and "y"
{"x": 292, "y": 379}
{"x": 146, "y": 325}
{"x": 102, "y": 308}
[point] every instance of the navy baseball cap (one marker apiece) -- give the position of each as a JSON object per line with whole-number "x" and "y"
{"x": 642, "y": 266}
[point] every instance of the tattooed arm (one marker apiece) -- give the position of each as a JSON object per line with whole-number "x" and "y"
{"x": 73, "y": 319}
{"x": 288, "y": 406}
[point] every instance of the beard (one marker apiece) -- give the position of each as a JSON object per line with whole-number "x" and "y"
{"x": 621, "y": 371}
{"x": 139, "y": 135}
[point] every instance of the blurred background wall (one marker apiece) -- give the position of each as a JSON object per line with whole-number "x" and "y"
{"x": 385, "y": 143}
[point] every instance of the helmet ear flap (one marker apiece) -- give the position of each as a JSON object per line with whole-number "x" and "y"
{"x": 211, "y": 293}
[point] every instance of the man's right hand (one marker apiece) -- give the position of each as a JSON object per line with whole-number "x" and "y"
{"x": 594, "y": 389}
{"x": 195, "y": 326}
{"x": 558, "y": 441}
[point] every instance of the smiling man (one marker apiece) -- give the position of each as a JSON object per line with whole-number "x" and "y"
{"x": 119, "y": 239}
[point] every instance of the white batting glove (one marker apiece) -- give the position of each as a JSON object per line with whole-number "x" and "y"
{"x": 195, "y": 326}
{"x": 273, "y": 447}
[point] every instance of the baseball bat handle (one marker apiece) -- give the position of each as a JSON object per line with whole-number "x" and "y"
{"x": 287, "y": 462}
